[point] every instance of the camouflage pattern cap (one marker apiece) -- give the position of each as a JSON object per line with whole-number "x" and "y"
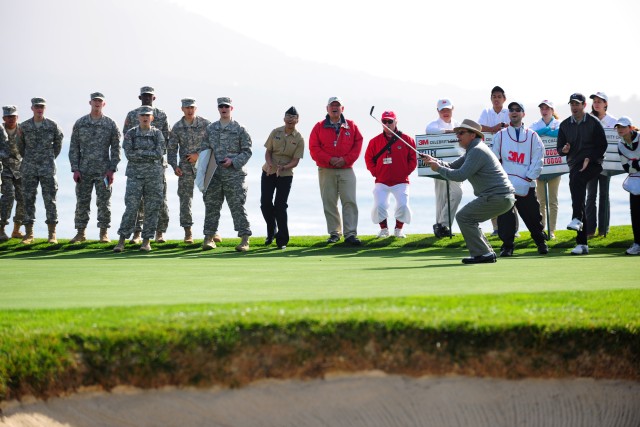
{"x": 145, "y": 110}
{"x": 97, "y": 95}
{"x": 225, "y": 100}
{"x": 38, "y": 101}
{"x": 147, "y": 89}
{"x": 9, "y": 110}
{"x": 188, "y": 102}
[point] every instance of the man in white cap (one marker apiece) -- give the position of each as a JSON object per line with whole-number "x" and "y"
{"x": 445, "y": 212}
{"x": 335, "y": 144}
{"x": 391, "y": 161}
{"x": 494, "y": 192}
{"x": 11, "y": 178}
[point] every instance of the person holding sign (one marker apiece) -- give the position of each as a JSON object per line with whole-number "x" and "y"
{"x": 629, "y": 150}
{"x": 548, "y": 125}
{"x": 493, "y": 190}
{"x": 582, "y": 139}
{"x": 390, "y": 161}
{"x": 444, "y": 212}
{"x": 521, "y": 153}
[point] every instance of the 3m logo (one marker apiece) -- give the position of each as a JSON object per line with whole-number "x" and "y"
{"x": 516, "y": 157}
{"x": 423, "y": 142}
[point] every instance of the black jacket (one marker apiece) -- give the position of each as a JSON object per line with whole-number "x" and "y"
{"x": 587, "y": 140}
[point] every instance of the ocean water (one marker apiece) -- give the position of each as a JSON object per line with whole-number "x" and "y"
{"x": 305, "y": 211}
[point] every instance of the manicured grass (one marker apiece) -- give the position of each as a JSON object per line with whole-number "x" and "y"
{"x": 75, "y": 315}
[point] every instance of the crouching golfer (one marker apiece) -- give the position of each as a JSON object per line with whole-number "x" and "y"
{"x": 494, "y": 192}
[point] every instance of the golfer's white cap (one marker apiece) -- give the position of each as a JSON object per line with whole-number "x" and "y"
{"x": 334, "y": 99}
{"x": 600, "y": 95}
{"x": 547, "y": 103}
{"x": 623, "y": 121}
{"x": 444, "y": 103}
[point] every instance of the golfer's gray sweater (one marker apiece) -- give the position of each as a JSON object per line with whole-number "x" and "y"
{"x": 481, "y": 167}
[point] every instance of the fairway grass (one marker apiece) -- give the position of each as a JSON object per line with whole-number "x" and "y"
{"x": 79, "y": 315}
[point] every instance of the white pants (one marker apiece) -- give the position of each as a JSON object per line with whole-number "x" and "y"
{"x": 455, "y": 196}
{"x": 381, "y": 203}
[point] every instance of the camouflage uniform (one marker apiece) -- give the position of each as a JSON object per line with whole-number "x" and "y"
{"x": 233, "y": 142}
{"x": 145, "y": 176}
{"x": 11, "y": 188}
{"x": 187, "y": 138}
{"x": 159, "y": 122}
{"x": 39, "y": 144}
{"x": 94, "y": 150}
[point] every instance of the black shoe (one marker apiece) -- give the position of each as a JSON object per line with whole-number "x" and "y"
{"x": 437, "y": 231}
{"x": 444, "y": 230}
{"x": 505, "y": 252}
{"x": 480, "y": 259}
{"x": 334, "y": 238}
{"x": 543, "y": 249}
{"x": 353, "y": 241}
{"x": 268, "y": 241}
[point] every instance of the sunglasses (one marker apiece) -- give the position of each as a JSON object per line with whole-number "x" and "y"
{"x": 224, "y": 106}
{"x": 461, "y": 132}
{"x": 387, "y": 122}
{"x": 515, "y": 110}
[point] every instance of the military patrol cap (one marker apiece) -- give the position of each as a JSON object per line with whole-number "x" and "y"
{"x": 97, "y": 95}
{"x": 225, "y": 100}
{"x": 292, "y": 111}
{"x": 145, "y": 110}
{"x": 147, "y": 89}
{"x": 38, "y": 101}
{"x": 188, "y": 102}
{"x": 9, "y": 110}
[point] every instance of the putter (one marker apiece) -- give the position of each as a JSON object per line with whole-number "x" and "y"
{"x": 397, "y": 136}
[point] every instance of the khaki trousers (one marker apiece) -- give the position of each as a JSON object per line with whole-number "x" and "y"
{"x": 339, "y": 184}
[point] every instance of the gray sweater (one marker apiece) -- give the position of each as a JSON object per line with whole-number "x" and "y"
{"x": 483, "y": 170}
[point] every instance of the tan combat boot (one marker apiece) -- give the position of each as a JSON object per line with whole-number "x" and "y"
{"x": 81, "y": 236}
{"x": 146, "y": 246}
{"x": 188, "y": 237}
{"x": 28, "y": 234}
{"x": 52, "y": 234}
{"x": 217, "y": 238}
{"x": 136, "y": 238}
{"x": 16, "y": 231}
{"x": 104, "y": 237}
{"x": 244, "y": 244}
{"x": 120, "y": 246}
{"x": 159, "y": 237}
{"x": 3, "y": 235}
{"x": 208, "y": 243}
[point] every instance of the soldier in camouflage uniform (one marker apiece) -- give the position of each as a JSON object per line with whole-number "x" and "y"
{"x": 147, "y": 96}
{"x": 144, "y": 147}
{"x": 231, "y": 145}
{"x": 184, "y": 143}
{"x": 94, "y": 155}
{"x": 39, "y": 143}
{"x": 11, "y": 188}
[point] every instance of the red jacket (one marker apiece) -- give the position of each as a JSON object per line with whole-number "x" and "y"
{"x": 325, "y": 144}
{"x": 393, "y": 166}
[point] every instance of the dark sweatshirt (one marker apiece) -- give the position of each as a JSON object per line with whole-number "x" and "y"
{"x": 586, "y": 138}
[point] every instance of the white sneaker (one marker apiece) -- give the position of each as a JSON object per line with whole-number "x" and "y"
{"x": 399, "y": 234}
{"x": 575, "y": 225}
{"x": 384, "y": 233}
{"x": 634, "y": 249}
{"x": 580, "y": 250}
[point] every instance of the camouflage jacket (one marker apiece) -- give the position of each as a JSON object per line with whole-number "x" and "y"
{"x": 233, "y": 141}
{"x": 10, "y": 155}
{"x": 160, "y": 122}
{"x": 39, "y": 147}
{"x": 95, "y": 146}
{"x": 185, "y": 139}
{"x": 144, "y": 149}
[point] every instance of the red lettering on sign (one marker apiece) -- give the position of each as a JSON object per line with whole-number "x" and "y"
{"x": 423, "y": 142}
{"x": 552, "y": 160}
{"x": 515, "y": 157}
{"x": 551, "y": 152}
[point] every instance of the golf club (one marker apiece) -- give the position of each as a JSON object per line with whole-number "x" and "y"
{"x": 396, "y": 135}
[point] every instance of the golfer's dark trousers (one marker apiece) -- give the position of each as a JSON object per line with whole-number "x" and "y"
{"x": 634, "y": 203}
{"x": 275, "y": 212}
{"x": 528, "y": 208}
{"x": 578, "y": 186}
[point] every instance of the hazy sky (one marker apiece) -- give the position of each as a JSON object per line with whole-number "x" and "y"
{"x": 550, "y": 48}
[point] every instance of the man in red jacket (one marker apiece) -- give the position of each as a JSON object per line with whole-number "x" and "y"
{"x": 391, "y": 161}
{"x": 335, "y": 144}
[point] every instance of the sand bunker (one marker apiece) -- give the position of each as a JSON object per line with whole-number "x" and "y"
{"x": 364, "y": 400}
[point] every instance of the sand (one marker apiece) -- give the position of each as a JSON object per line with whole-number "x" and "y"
{"x": 367, "y": 400}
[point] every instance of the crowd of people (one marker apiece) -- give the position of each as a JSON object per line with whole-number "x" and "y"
{"x": 506, "y": 177}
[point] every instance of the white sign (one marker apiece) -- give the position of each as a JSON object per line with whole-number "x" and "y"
{"x": 445, "y": 147}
